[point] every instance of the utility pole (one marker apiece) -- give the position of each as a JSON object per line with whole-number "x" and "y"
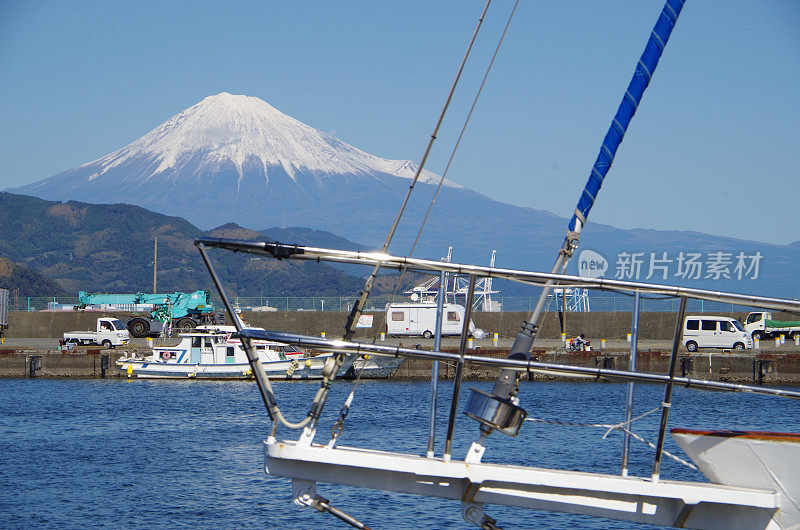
{"x": 155, "y": 263}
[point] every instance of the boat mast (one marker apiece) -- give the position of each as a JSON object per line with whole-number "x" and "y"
{"x": 506, "y": 385}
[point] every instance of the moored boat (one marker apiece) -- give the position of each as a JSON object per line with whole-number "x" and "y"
{"x": 210, "y": 352}
{"x": 752, "y": 459}
{"x": 374, "y": 367}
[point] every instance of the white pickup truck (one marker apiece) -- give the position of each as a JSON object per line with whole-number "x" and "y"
{"x": 110, "y": 332}
{"x": 760, "y": 325}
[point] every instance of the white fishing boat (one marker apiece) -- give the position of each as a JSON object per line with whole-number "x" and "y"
{"x": 210, "y": 352}
{"x": 752, "y": 477}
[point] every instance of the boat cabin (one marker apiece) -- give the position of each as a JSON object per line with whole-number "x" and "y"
{"x": 218, "y": 347}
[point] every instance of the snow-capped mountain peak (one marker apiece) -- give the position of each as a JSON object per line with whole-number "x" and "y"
{"x": 237, "y": 158}
{"x": 236, "y": 129}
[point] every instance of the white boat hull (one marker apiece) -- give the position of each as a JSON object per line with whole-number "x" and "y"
{"x": 762, "y": 460}
{"x": 376, "y": 367}
{"x": 294, "y": 370}
{"x": 211, "y": 352}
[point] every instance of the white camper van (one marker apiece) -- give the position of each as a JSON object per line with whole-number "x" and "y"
{"x": 714, "y": 332}
{"x": 420, "y": 319}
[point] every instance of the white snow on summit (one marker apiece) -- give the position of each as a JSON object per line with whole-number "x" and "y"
{"x": 240, "y": 129}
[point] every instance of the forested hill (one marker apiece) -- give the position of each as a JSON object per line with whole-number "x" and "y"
{"x": 22, "y": 281}
{"x": 109, "y": 248}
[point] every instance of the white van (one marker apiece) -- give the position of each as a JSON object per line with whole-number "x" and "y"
{"x": 420, "y": 319}
{"x": 714, "y": 332}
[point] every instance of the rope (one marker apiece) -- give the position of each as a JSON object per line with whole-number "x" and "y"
{"x": 617, "y": 426}
{"x": 653, "y": 446}
{"x": 604, "y": 425}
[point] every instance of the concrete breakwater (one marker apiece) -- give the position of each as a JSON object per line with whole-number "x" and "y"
{"x": 751, "y": 368}
{"x": 596, "y": 325}
{"x": 759, "y": 367}
{"x": 32, "y": 346}
{"x": 46, "y": 363}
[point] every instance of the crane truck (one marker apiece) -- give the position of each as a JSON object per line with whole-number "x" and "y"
{"x": 183, "y": 311}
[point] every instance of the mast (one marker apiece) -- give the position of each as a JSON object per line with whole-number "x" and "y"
{"x": 506, "y": 385}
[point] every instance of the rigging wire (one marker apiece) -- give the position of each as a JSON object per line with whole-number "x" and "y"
{"x": 452, "y": 156}
{"x": 358, "y": 307}
{"x": 352, "y": 320}
{"x": 464, "y": 127}
{"x": 339, "y": 424}
{"x": 622, "y": 426}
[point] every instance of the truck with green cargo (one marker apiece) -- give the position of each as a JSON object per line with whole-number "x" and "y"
{"x": 760, "y": 325}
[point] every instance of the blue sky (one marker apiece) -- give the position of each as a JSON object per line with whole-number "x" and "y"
{"x": 712, "y": 148}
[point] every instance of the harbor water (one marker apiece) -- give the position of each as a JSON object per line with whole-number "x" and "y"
{"x": 135, "y": 454}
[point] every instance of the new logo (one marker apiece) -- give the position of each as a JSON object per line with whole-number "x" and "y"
{"x": 591, "y": 264}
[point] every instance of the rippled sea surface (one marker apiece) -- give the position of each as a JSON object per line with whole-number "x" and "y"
{"x": 116, "y": 453}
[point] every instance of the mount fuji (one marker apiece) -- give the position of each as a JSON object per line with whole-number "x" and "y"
{"x": 234, "y": 158}
{"x": 229, "y": 157}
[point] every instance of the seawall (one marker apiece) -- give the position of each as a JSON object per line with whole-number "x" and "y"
{"x": 596, "y": 325}
{"x": 751, "y": 367}
{"x": 775, "y": 365}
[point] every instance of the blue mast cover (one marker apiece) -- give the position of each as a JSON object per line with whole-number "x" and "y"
{"x": 627, "y": 108}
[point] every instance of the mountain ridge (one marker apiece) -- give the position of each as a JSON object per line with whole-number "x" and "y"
{"x": 24, "y": 281}
{"x": 109, "y": 248}
{"x": 210, "y": 174}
